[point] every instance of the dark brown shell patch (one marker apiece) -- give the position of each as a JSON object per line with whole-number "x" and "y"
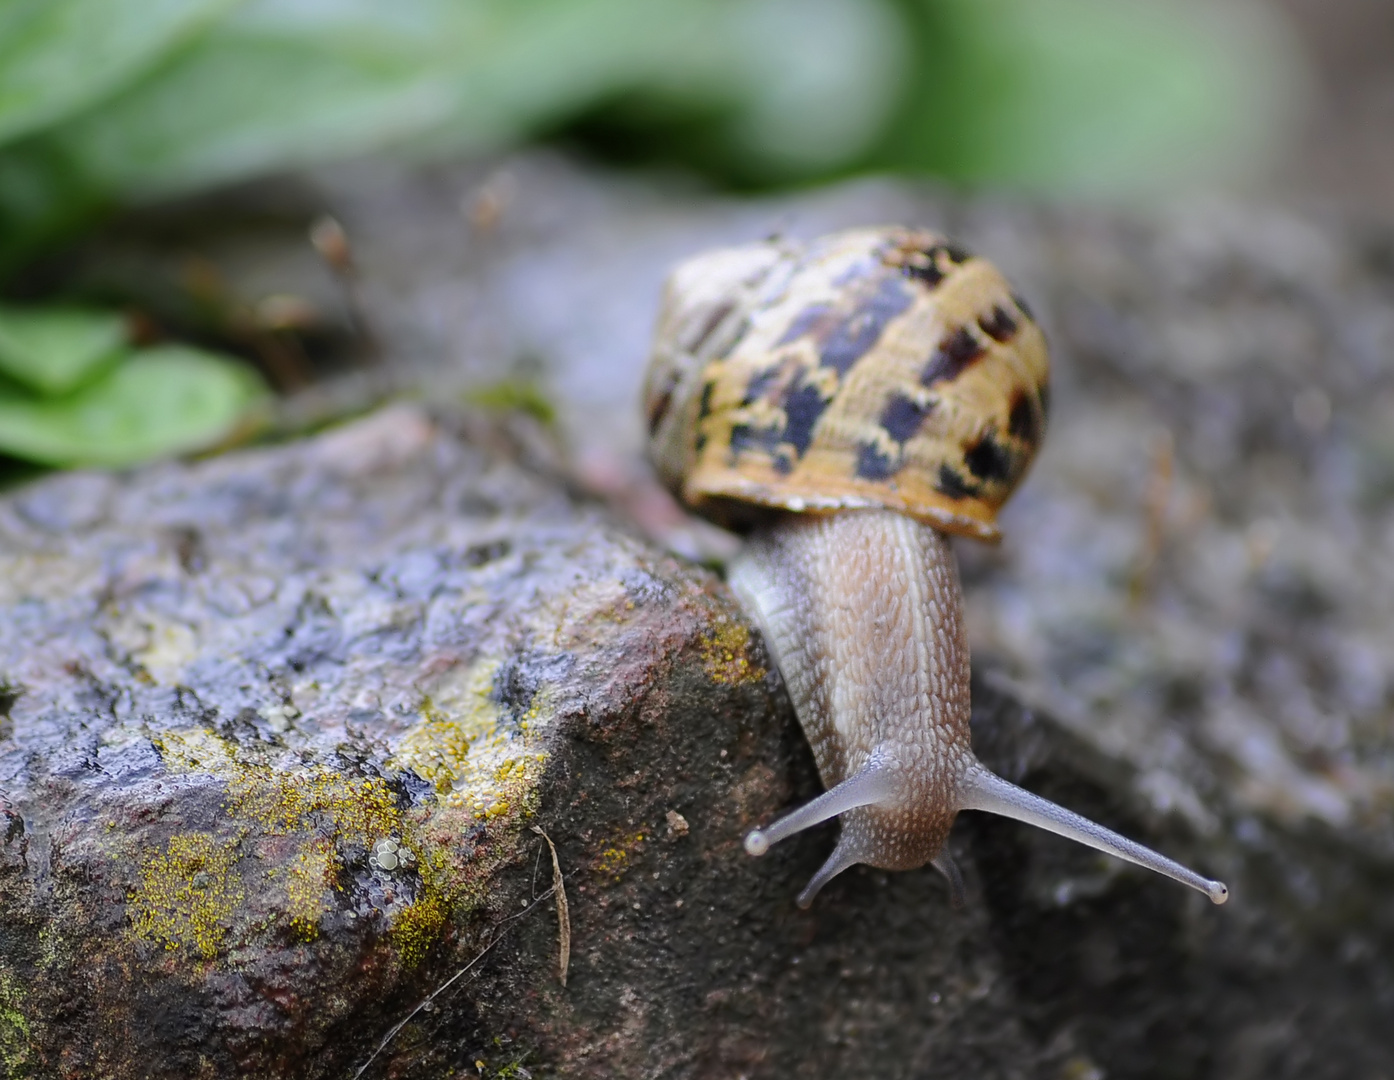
{"x": 875, "y": 464}
{"x": 802, "y": 408}
{"x": 998, "y": 325}
{"x": 843, "y": 340}
{"x": 1022, "y": 421}
{"x": 745, "y": 437}
{"x": 927, "y": 266}
{"x": 659, "y": 410}
{"x": 760, "y": 384}
{"x": 902, "y": 417}
{"x": 989, "y": 460}
{"x": 708, "y": 327}
{"x": 954, "y": 485}
{"x": 815, "y": 320}
{"x": 705, "y": 408}
{"x": 954, "y": 354}
{"x": 853, "y": 337}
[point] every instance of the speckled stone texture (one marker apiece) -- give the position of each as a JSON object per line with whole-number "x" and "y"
{"x": 228, "y": 682}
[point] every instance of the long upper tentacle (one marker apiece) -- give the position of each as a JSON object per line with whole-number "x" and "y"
{"x": 871, "y": 785}
{"x": 984, "y": 790}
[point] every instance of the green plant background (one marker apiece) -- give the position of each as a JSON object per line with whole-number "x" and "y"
{"x": 112, "y": 103}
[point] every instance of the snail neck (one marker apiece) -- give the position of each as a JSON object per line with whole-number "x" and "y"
{"x": 863, "y": 613}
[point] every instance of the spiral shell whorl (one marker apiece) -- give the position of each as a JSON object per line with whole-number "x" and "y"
{"x": 873, "y": 368}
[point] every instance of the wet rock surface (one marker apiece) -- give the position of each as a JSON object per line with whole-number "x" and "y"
{"x": 230, "y": 686}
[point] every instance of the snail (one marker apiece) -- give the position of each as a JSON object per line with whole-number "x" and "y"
{"x": 849, "y": 404}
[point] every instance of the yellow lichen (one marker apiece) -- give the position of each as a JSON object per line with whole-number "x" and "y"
{"x": 188, "y": 894}
{"x": 484, "y": 767}
{"x": 310, "y": 875}
{"x": 355, "y": 809}
{"x": 614, "y": 860}
{"x": 417, "y": 927}
{"x": 466, "y": 749}
{"x": 318, "y": 807}
{"x": 351, "y": 808}
{"x": 195, "y": 750}
{"x": 170, "y": 648}
{"x": 724, "y": 650}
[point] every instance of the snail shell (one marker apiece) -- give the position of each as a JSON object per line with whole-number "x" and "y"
{"x": 877, "y": 368}
{"x": 849, "y": 404}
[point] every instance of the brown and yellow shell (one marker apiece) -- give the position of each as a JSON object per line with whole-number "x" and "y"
{"x": 881, "y": 367}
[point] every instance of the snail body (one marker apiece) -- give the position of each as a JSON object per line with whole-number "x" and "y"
{"x": 849, "y": 405}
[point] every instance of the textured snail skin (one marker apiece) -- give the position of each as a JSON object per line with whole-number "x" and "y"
{"x": 863, "y": 613}
{"x": 850, "y": 402}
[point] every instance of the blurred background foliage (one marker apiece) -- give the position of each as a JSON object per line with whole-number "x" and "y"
{"x": 107, "y": 104}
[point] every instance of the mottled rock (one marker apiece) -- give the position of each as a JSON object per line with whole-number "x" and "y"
{"x": 275, "y": 725}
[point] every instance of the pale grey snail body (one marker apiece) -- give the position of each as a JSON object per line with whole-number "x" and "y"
{"x": 849, "y": 402}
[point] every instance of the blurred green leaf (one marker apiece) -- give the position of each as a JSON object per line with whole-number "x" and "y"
{"x": 53, "y": 350}
{"x": 161, "y": 401}
{"x": 57, "y": 56}
{"x": 43, "y": 195}
{"x": 283, "y": 83}
{"x": 514, "y": 395}
{"x": 1086, "y": 95}
{"x": 292, "y": 82}
{"x": 1093, "y": 95}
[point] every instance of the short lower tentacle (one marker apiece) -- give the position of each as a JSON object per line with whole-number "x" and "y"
{"x": 842, "y": 857}
{"x": 944, "y": 863}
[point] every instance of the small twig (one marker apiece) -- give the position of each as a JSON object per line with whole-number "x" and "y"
{"x": 535, "y": 863}
{"x": 497, "y": 935}
{"x": 1156, "y": 501}
{"x": 563, "y": 910}
{"x": 328, "y": 238}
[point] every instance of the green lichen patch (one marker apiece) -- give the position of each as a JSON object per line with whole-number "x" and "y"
{"x": 514, "y": 395}
{"x": 16, "y": 1038}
